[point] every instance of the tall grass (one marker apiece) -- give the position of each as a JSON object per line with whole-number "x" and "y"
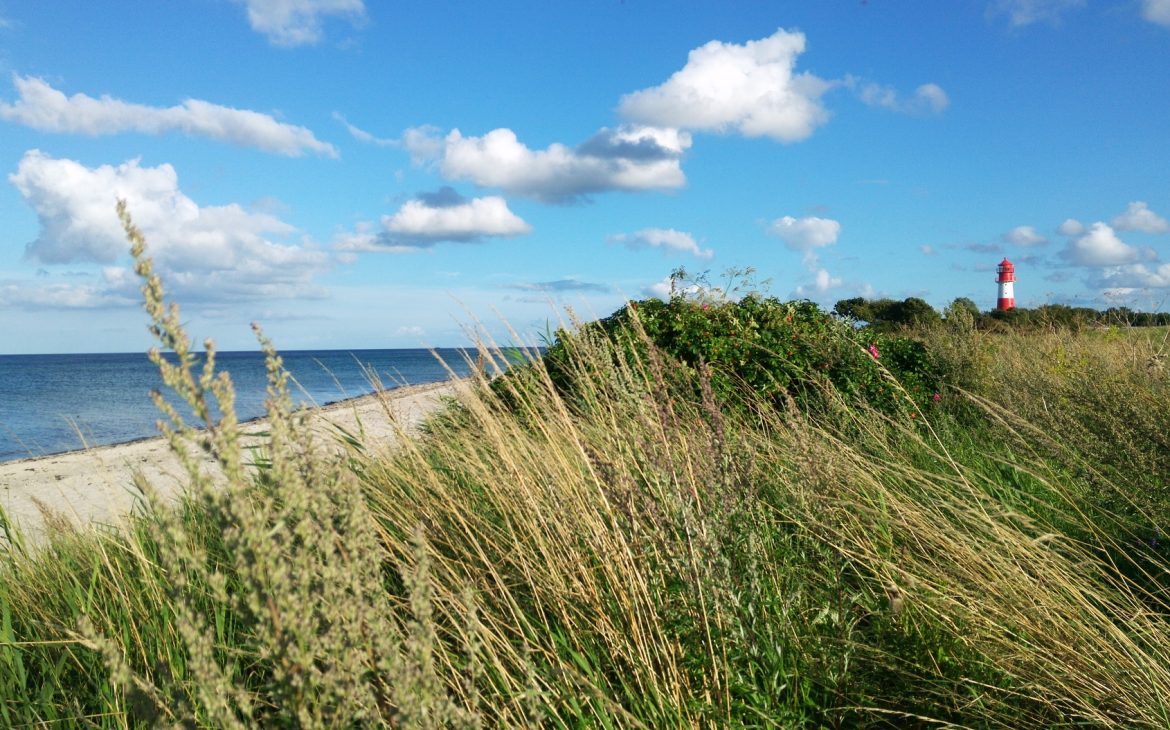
{"x": 635, "y": 554}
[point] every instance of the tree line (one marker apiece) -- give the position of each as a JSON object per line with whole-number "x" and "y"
{"x": 891, "y": 314}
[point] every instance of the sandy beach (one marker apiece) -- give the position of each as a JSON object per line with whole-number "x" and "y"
{"x": 95, "y": 487}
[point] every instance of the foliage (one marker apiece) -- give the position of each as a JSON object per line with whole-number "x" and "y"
{"x": 887, "y": 315}
{"x": 777, "y": 350}
{"x": 962, "y": 313}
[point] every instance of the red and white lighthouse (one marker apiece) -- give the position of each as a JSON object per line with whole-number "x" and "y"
{"x": 1007, "y": 282}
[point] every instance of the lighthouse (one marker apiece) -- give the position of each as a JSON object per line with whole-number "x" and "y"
{"x": 1006, "y": 280}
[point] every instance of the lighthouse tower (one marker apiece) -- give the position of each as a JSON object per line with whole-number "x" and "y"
{"x": 1006, "y": 280}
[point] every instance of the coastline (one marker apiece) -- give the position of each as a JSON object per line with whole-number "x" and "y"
{"x": 94, "y": 486}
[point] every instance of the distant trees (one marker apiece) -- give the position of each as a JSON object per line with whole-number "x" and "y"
{"x": 885, "y": 315}
{"x": 888, "y": 314}
{"x": 962, "y": 307}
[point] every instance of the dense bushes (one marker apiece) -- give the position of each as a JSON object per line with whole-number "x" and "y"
{"x": 775, "y": 349}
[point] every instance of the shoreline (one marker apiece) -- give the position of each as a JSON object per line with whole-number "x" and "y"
{"x": 387, "y": 393}
{"x": 94, "y": 486}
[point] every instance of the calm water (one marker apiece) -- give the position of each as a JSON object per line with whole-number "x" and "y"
{"x": 54, "y": 403}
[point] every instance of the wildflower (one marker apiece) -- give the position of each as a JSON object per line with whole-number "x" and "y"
{"x": 705, "y": 306}
{"x": 936, "y": 397}
{"x": 873, "y": 351}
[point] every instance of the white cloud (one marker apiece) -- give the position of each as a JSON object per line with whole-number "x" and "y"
{"x": 1157, "y": 11}
{"x": 932, "y": 97}
{"x": 431, "y": 218}
{"x": 362, "y": 135}
{"x": 626, "y": 158}
{"x": 928, "y": 98}
{"x": 662, "y": 290}
{"x": 927, "y": 250}
{"x": 822, "y": 282}
{"x": 1100, "y": 246}
{"x": 1071, "y": 227}
{"x": 107, "y": 292}
{"x": 1026, "y": 12}
{"x": 667, "y": 239}
{"x": 750, "y": 89}
{"x": 659, "y": 290}
{"x": 467, "y": 221}
{"x": 298, "y": 22}
{"x": 211, "y": 252}
{"x": 806, "y": 235}
{"x": 1135, "y": 276}
{"x": 1024, "y": 236}
{"x": 425, "y": 144}
{"x": 1139, "y": 217}
{"x": 46, "y": 109}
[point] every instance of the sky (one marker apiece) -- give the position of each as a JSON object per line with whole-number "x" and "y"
{"x": 361, "y": 174}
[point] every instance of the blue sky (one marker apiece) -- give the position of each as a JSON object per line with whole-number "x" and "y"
{"x": 359, "y": 174}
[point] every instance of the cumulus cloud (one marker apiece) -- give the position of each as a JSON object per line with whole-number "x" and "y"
{"x": 431, "y": 218}
{"x": 626, "y": 158}
{"x": 927, "y": 98}
{"x": 1157, "y": 11}
{"x": 1024, "y": 236}
{"x": 468, "y": 220}
{"x": 1139, "y": 217}
{"x": 806, "y": 235}
{"x": 659, "y": 290}
{"x": 1026, "y": 12}
{"x": 1099, "y": 246}
{"x": 1135, "y": 276}
{"x": 1071, "y": 227}
{"x": 46, "y": 109}
{"x": 750, "y": 89}
{"x": 663, "y": 289}
{"x": 209, "y": 252}
{"x": 666, "y": 239}
{"x": 822, "y": 282}
{"x": 290, "y": 23}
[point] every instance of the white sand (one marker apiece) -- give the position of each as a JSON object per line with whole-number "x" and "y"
{"x": 95, "y": 486}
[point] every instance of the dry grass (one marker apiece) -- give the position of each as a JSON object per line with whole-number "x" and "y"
{"x": 632, "y": 555}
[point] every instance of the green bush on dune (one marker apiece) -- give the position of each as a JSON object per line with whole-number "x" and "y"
{"x": 768, "y": 350}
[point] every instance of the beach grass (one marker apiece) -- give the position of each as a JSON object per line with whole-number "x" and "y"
{"x": 619, "y": 543}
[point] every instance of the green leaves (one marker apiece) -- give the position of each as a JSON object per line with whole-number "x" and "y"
{"x": 774, "y": 349}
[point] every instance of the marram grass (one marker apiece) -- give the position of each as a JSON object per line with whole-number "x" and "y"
{"x": 635, "y": 555}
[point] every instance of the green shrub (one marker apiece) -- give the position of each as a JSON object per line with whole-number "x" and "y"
{"x": 776, "y": 350}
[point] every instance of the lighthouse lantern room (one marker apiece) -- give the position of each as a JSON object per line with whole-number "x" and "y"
{"x": 1006, "y": 279}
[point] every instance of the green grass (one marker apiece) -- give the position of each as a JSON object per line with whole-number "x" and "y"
{"x": 638, "y": 554}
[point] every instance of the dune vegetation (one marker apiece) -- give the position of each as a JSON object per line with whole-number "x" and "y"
{"x": 706, "y": 512}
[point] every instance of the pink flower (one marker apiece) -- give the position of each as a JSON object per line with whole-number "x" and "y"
{"x": 936, "y": 397}
{"x": 873, "y": 351}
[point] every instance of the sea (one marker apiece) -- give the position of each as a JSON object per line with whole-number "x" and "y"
{"x": 55, "y": 403}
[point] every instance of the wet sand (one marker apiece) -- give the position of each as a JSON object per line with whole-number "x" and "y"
{"x": 95, "y": 486}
